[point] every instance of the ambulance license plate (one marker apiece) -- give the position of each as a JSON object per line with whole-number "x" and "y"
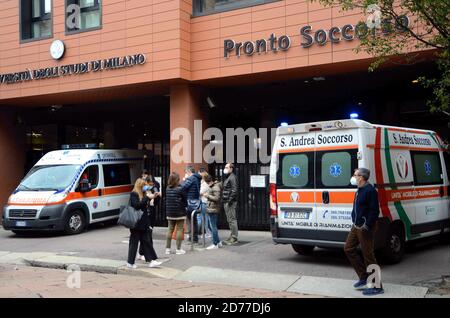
{"x": 296, "y": 215}
{"x": 21, "y": 223}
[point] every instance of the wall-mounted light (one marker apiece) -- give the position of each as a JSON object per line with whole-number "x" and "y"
{"x": 210, "y": 102}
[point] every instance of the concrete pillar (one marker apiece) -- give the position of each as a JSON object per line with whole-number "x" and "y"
{"x": 185, "y": 108}
{"x": 12, "y": 155}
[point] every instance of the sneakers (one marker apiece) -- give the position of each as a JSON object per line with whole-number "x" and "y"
{"x": 360, "y": 284}
{"x": 219, "y": 244}
{"x": 231, "y": 241}
{"x": 154, "y": 263}
{"x": 373, "y": 291}
{"x": 141, "y": 257}
{"x": 180, "y": 252}
{"x": 213, "y": 247}
{"x": 208, "y": 235}
{"x": 167, "y": 251}
{"x": 133, "y": 266}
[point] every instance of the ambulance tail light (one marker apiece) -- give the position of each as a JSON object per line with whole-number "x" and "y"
{"x": 273, "y": 199}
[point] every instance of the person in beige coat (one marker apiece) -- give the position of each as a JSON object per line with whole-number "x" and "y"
{"x": 214, "y": 205}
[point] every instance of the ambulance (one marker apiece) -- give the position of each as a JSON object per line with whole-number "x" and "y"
{"x": 311, "y": 197}
{"x": 69, "y": 189}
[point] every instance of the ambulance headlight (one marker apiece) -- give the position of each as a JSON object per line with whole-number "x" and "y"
{"x": 57, "y": 197}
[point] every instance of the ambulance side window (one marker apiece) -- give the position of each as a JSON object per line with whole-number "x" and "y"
{"x": 447, "y": 162}
{"x": 116, "y": 174}
{"x": 427, "y": 167}
{"x": 91, "y": 174}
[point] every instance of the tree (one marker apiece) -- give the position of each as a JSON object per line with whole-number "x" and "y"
{"x": 402, "y": 29}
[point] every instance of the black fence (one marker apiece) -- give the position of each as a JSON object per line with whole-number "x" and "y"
{"x": 253, "y": 203}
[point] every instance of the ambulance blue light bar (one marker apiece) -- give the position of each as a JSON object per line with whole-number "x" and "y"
{"x": 79, "y": 146}
{"x": 354, "y": 115}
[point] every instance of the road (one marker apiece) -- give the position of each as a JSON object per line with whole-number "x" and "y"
{"x": 255, "y": 252}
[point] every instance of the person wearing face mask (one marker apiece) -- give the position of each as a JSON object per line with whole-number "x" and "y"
{"x": 364, "y": 217}
{"x": 139, "y": 200}
{"x": 229, "y": 199}
{"x": 151, "y": 189}
{"x": 191, "y": 187}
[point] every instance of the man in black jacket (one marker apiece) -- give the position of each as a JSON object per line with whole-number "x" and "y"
{"x": 364, "y": 216}
{"x": 229, "y": 198}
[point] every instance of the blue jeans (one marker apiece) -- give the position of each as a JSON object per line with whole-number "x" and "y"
{"x": 206, "y": 216}
{"x": 214, "y": 218}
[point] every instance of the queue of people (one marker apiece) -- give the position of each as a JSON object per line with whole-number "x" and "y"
{"x": 198, "y": 192}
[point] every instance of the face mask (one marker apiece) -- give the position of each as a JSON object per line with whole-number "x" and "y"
{"x": 226, "y": 171}
{"x": 353, "y": 181}
{"x": 146, "y": 188}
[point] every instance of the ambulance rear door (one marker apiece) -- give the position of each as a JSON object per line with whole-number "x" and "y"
{"x": 336, "y": 158}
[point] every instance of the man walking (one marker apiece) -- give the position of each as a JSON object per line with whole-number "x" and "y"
{"x": 229, "y": 198}
{"x": 364, "y": 216}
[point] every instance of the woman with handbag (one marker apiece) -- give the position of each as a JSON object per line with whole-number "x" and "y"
{"x": 152, "y": 189}
{"x": 175, "y": 211}
{"x": 139, "y": 200}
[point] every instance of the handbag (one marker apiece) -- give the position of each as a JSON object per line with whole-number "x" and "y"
{"x": 174, "y": 233}
{"x": 129, "y": 217}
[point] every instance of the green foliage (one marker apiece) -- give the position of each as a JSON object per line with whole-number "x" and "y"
{"x": 429, "y": 29}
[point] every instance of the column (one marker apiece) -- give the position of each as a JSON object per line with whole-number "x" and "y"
{"x": 186, "y": 138}
{"x": 12, "y": 155}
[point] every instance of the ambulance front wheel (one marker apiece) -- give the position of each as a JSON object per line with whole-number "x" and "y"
{"x": 303, "y": 249}
{"x": 394, "y": 249}
{"x": 75, "y": 223}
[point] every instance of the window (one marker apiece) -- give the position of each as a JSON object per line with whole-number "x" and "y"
{"x": 115, "y": 175}
{"x": 297, "y": 171}
{"x": 202, "y": 7}
{"x": 427, "y": 167}
{"x": 35, "y": 19}
{"x": 91, "y": 174}
{"x": 83, "y": 15}
{"x": 49, "y": 178}
{"x": 335, "y": 169}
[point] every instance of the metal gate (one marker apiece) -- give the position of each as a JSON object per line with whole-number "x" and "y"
{"x": 253, "y": 204}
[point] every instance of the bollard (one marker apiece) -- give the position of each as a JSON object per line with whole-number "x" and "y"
{"x": 192, "y": 230}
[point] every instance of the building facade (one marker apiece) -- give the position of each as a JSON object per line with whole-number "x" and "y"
{"x": 127, "y": 73}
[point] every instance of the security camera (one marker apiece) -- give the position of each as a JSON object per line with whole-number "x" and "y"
{"x": 210, "y": 102}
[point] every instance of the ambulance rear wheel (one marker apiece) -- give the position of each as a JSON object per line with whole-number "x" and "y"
{"x": 394, "y": 249}
{"x": 75, "y": 223}
{"x": 303, "y": 249}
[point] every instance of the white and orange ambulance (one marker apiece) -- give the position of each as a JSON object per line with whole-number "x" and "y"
{"x": 68, "y": 189}
{"x": 311, "y": 197}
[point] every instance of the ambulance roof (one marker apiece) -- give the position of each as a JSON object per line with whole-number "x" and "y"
{"x": 337, "y": 124}
{"x": 82, "y": 156}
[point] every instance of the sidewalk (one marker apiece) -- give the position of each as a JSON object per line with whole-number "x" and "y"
{"x": 23, "y": 281}
{"x": 101, "y": 276}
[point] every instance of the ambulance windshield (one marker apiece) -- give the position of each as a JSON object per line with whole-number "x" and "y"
{"x": 49, "y": 178}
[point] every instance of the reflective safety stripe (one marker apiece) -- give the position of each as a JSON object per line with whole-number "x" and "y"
{"x": 79, "y": 196}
